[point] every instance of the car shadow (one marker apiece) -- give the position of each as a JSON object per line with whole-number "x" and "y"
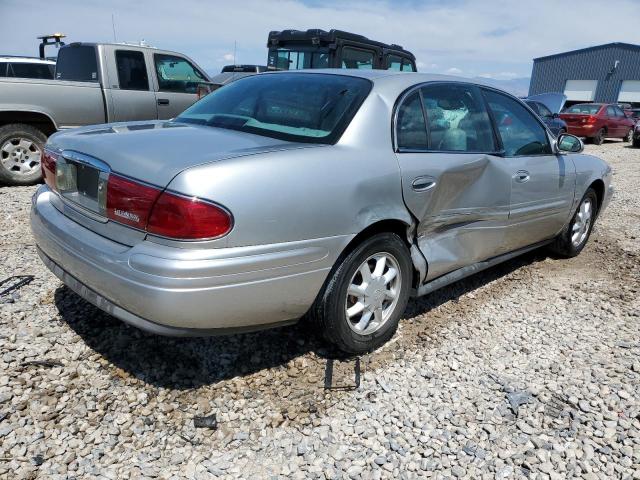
{"x": 186, "y": 363}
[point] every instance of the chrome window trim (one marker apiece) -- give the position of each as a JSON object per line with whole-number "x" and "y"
{"x": 408, "y": 92}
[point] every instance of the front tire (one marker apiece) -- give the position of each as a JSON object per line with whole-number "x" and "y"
{"x": 21, "y": 148}
{"x": 570, "y": 242}
{"x": 366, "y": 294}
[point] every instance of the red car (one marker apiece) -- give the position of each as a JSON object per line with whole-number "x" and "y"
{"x": 598, "y": 121}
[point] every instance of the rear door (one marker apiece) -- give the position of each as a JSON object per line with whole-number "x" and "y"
{"x": 177, "y": 82}
{"x": 130, "y": 91}
{"x": 542, "y": 183}
{"x": 613, "y": 122}
{"x": 453, "y": 181}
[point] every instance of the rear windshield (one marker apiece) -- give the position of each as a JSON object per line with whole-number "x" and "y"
{"x": 585, "y": 108}
{"x": 77, "y": 63}
{"x": 302, "y": 107}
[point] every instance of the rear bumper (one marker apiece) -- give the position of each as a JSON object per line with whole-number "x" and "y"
{"x": 185, "y": 292}
{"x": 582, "y": 130}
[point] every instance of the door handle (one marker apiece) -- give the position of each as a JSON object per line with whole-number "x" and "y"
{"x": 522, "y": 176}
{"x": 163, "y": 101}
{"x": 422, "y": 184}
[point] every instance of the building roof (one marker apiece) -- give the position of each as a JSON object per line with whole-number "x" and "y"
{"x": 589, "y": 49}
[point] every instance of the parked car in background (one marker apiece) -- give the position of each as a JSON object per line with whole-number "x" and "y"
{"x": 548, "y": 107}
{"x": 634, "y": 114}
{"x": 244, "y": 69}
{"x": 296, "y": 50}
{"x": 636, "y": 135}
{"x": 329, "y": 193}
{"x": 26, "y": 67}
{"x": 94, "y": 83}
{"x": 597, "y": 121}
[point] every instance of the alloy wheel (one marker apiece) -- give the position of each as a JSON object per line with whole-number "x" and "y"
{"x": 582, "y": 223}
{"x": 20, "y": 156}
{"x": 373, "y": 293}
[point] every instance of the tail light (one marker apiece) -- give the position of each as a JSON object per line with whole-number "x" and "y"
{"x": 48, "y": 167}
{"x": 591, "y": 119}
{"x": 188, "y": 218}
{"x": 163, "y": 213}
{"x": 130, "y": 202}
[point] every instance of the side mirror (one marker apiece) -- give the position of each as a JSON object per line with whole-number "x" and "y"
{"x": 569, "y": 144}
{"x": 555, "y": 115}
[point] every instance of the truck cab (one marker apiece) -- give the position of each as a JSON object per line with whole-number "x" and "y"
{"x": 296, "y": 49}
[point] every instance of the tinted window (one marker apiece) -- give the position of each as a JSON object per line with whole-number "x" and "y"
{"x": 29, "y": 70}
{"x": 411, "y": 130}
{"x": 407, "y": 66}
{"x": 355, "y": 58}
{"x": 298, "y": 107}
{"x": 77, "y": 63}
{"x": 519, "y": 130}
{"x": 584, "y": 108}
{"x": 533, "y": 106}
{"x": 3, "y": 69}
{"x": 611, "y": 112}
{"x": 457, "y": 119}
{"x": 175, "y": 74}
{"x": 297, "y": 60}
{"x": 619, "y": 112}
{"x": 399, "y": 64}
{"x": 132, "y": 70}
{"x": 544, "y": 111}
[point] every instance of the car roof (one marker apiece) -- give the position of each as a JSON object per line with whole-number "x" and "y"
{"x": 391, "y": 81}
{"x": 9, "y": 58}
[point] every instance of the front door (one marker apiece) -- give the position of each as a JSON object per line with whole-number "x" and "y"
{"x": 177, "y": 84}
{"x": 542, "y": 183}
{"x": 453, "y": 182}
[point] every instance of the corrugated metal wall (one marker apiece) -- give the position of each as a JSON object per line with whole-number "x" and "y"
{"x": 551, "y": 73}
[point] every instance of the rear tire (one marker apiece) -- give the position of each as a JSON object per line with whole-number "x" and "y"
{"x": 575, "y": 235}
{"x": 599, "y": 138}
{"x": 357, "y": 312}
{"x": 636, "y": 142}
{"x": 21, "y": 148}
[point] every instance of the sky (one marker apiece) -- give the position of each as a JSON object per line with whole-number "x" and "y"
{"x": 493, "y": 39}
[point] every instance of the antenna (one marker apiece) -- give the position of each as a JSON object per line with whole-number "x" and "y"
{"x": 113, "y": 26}
{"x": 235, "y": 46}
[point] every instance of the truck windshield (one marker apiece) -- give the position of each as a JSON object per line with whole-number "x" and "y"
{"x": 292, "y": 59}
{"x": 299, "y": 107}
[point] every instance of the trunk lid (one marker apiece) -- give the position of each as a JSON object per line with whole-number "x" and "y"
{"x": 155, "y": 152}
{"x": 152, "y": 153}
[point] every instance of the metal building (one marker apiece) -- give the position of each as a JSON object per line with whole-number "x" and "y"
{"x": 605, "y": 73}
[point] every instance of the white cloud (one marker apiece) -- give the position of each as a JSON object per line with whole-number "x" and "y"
{"x": 467, "y": 33}
{"x": 228, "y": 57}
{"x": 453, "y": 71}
{"x": 500, "y": 75}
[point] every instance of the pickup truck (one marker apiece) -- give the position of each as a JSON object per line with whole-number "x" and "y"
{"x": 94, "y": 83}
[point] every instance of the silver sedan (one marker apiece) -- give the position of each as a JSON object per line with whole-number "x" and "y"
{"x": 336, "y": 194}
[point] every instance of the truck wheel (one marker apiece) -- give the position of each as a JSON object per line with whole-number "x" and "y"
{"x": 21, "y": 147}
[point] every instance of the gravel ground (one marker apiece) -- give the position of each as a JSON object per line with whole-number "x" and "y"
{"x": 528, "y": 370}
